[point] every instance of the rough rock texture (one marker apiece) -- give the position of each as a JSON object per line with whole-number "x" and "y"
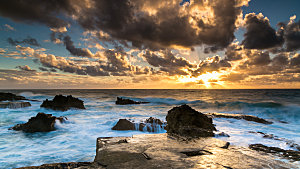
{"x": 14, "y": 105}
{"x": 121, "y": 101}
{"x": 63, "y": 103}
{"x": 187, "y": 122}
{"x": 151, "y": 125}
{"x": 40, "y": 123}
{"x": 240, "y": 116}
{"x": 10, "y": 97}
{"x": 291, "y": 143}
{"x": 162, "y": 151}
{"x": 78, "y": 165}
{"x": 289, "y": 154}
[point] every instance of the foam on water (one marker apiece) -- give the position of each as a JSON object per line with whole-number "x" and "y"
{"x": 76, "y": 139}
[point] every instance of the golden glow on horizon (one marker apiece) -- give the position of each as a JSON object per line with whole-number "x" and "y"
{"x": 207, "y": 79}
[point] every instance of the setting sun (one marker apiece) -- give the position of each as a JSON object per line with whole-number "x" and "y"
{"x": 205, "y": 79}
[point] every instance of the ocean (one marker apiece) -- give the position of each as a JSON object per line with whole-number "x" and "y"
{"x": 76, "y": 140}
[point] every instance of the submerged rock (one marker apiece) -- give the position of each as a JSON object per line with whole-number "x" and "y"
{"x": 121, "y": 101}
{"x": 151, "y": 125}
{"x": 14, "y": 105}
{"x": 78, "y": 165}
{"x": 187, "y": 122}
{"x": 240, "y": 116}
{"x": 289, "y": 154}
{"x": 63, "y": 103}
{"x": 10, "y": 97}
{"x": 40, "y": 123}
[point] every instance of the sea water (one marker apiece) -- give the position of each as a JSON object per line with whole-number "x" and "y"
{"x": 75, "y": 140}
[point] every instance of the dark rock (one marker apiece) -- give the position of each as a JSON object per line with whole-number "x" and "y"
{"x": 187, "y": 122}
{"x": 226, "y": 145}
{"x": 124, "y": 124}
{"x": 240, "y": 116}
{"x": 151, "y": 125}
{"x": 10, "y": 97}
{"x": 289, "y": 154}
{"x": 222, "y": 134}
{"x": 63, "y": 103}
{"x": 40, "y": 123}
{"x": 121, "y": 101}
{"x": 196, "y": 153}
{"x": 64, "y": 165}
{"x": 14, "y": 105}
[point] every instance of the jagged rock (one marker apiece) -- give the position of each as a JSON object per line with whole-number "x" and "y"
{"x": 289, "y": 154}
{"x": 151, "y": 125}
{"x": 291, "y": 143}
{"x": 187, "y": 122}
{"x": 222, "y": 134}
{"x": 63, "y": 103}
{"x": 10, "y": 97}
{"x": 240, "y": 116}
{"x": 121, "y": 101}
{"x": 40, "y": 123}
{"x": 14, "y": 105}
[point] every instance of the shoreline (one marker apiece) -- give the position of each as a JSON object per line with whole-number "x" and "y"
{"x": 165, "y": 151}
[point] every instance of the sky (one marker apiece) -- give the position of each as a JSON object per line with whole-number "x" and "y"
{"x": 149, "y": 44}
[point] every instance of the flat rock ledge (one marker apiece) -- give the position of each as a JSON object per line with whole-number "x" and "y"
{"x": 240, "y": 116}
{"x": 121, "y": 101}
{"x": 14, "y": 105}
{"x": 10, "y": 97}
{"x": 163, "y": 151}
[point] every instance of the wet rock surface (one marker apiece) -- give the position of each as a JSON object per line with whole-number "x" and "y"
{"x": 121, "y": 101}
{"x": 10, "y": 97}
{"x": 289, "y": 154}
{"x": 40, "y": 123}
{"x": 14, "y": 105}
{"x": 240, "y": 116}
{"x": 63, "y": 103}
{"x": 165, "y": 151}
{"x": 187, "y": 122}
{"x": 151, "y": 125}
{"x": 78, "y": 165}
{"x": 291, "y": 143}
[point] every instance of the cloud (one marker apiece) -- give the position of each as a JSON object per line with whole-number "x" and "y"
{"x": 76, "y": 51}
{"x": 291, "y": 34}
{"x": 29, "y": 40}
{"x": 25, "y": 68}
{"x": 259, "y": 33}
{"x": 8, "y": 27}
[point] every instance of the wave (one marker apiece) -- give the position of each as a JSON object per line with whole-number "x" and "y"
{"x": 29, "y": 94}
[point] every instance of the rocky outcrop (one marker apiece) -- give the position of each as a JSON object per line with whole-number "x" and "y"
{"x": 291, "y": 143}
{"x": 14, "y": 105}
{"x": 187, "y": 122}
{"x": 63, "y": 103}
{"x": 77, "y": 165}
{"x": 240, "y": 116}
{"x": 151, "y": 125}
{"x": 121, "y": 101}
{"x": 289, "y": 154}
{"x": 10, "y": 97}
{"x": 40, "y": 123}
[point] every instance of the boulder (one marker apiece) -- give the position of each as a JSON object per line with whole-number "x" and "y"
{"x": 289, "y": 154}
{"x": 151, "y": 125}
{"x": 10, "y": 97}
{"x": 63, "y": 103}
{"x": 14, "y": 105}
{"x": 187, "y": 122}
{"x": 240, "y": 116}
{"x": 40, "y": 123}
{"x": 121, "y": 101}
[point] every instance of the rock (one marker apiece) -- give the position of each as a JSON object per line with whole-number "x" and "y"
{"x": 77, "y": 165}
{"x": 187, "y": 122}
{"x": 240, "y": 116}
{"x": 289, "y": 154}
{"x": 121, "y": 101}
{"x": 63, "y": 103}
{"x": 10, "y": 97}
{"x": 14, "y": 105}
{"x": 226, "y": 145}
{"x": 151, "y": 125}
{"x": 222, "y": 134}
{"x": 160, "y": 151}
{"x": 40, "y": 123}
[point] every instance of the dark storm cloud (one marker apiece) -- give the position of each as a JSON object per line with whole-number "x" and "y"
{"x": 75, "y": 51}
{"x": 291, "y": 35}
{"x": 40, "y": 11}
{"x": 29, "y": 40}
{"x": 259, "y": 33}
